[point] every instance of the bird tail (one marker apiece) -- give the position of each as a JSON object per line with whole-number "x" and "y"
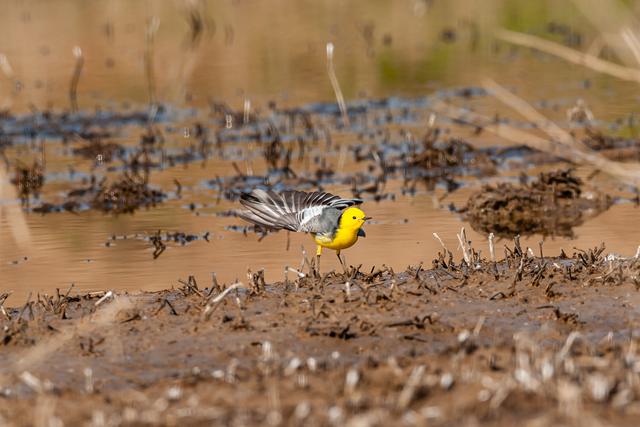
{"x": 266, "y": 209}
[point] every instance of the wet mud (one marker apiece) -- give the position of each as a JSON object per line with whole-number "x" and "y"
{"x": 529, "y": 339}
{"x": 551, "y": 205}
{"x": 293, "y": 148}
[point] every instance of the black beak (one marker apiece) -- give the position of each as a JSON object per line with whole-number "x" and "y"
{"x": 366, "y": 218}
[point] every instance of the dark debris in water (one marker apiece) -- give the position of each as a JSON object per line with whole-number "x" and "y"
{"x": 159, "y": 239}
{"x": 99, "y": 151}
{"x": 250, "y": 229}
{"x": 433, "y": 161}
{"x": 28, "y": 180}
{"x": 553, "y": 204}
{"x": 48, "y": 124}
{"x": 299, "y": 149}
{"x": 124, "y": 194}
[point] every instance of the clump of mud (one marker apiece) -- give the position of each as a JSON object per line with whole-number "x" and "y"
{"x": 99, "y": 151}
{"x": 125, "y": 194}
{"x": 613, "y": 147}
{"x": 551, "y": 205}
{"x": 28, "y": 180}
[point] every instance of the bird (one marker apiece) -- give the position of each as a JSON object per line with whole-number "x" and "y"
{"x": 333, "y": 222}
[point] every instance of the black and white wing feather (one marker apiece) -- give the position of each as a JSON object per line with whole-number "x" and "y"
{"x": 293, "y": 210}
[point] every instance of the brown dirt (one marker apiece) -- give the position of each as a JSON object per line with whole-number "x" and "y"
{"x": 552, "y": 204}
{"x": 537, "y": 341}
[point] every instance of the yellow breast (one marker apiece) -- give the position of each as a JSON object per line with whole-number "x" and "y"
{"x": 343, "y": 239}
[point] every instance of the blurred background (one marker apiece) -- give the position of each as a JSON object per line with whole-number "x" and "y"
{"x": 235, "y": 50}
{"x": 185, "y": 55}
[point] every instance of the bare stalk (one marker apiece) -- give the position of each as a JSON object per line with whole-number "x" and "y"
{"x": 75, "y": 78}
{"x": 5, "y": 66}
{"x": 7, "y": 70}
{"x": 215, "y": 301}
{"x": 492, "y": 249}
{"x": 408, "y": 391}
{"x": 336, "y": 86}
{"x": 152, "y": 27}
{"x": 246, "y": 111}
{"x": 105, "y": 297}
{"x": 437, "y": 237}
{"x": 462, "y": 238}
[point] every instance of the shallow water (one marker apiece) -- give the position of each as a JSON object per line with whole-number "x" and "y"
{"x": 264, "y": 53}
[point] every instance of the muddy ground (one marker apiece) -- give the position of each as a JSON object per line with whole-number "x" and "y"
{"x": 528, "y": 339}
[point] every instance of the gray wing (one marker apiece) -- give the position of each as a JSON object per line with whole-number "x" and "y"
{"x": 293, "y": 210}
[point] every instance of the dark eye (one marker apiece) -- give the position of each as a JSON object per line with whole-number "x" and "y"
{"x": 354, "y": 217}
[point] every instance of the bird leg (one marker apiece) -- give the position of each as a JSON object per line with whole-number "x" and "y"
{"x": 318, "y": 253}
{"x": 344, "y": 267}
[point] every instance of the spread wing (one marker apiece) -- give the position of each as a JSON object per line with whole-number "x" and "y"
{"x": 291, "y": 210}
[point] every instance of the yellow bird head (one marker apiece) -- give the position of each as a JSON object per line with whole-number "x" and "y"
{"x": 353, "y": 218}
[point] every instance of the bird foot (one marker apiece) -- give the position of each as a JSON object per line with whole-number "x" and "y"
{"x": 343, "y": 262}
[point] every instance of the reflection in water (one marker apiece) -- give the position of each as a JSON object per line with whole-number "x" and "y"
{"x": 234, "y": 52}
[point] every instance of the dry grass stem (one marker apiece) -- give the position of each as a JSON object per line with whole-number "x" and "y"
{"x": 437, "y": 237}
{"x": 571, "y": 55}
{"x": 5, "y": 66}
{"x": 75, "y": 78}
{"x": 616, "y": 22}
{"x": 628, "y": 172}
{"x": 215, "y": 301}
{"x": 409, "y": 389}
{"x": 105, "y": 297}
{"x": 466, "y": 251}
{"x": 336, "y": 85}
{"x": 246, "y": 111}
{"x": 492, "y": 249}
{"x": 151, "y": 29}
{"x": 564, "y": 148}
